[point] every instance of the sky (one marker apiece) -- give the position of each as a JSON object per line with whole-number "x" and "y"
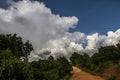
{"x": 94, "y": 15}
{"x": 62, "y": 27}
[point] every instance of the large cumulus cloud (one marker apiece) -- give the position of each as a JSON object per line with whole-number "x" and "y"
{"x": 48, "y": 32}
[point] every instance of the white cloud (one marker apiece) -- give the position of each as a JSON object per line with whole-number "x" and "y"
{"x": 48, "y": 32}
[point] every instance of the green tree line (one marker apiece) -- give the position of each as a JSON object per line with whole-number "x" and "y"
{"x": 12, "y": 48}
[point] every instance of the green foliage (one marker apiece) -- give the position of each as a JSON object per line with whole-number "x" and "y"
{"x": 15, "y": 44}
{"x": 107, "y": 53}
{"x": 64, "y": 68}
{"x": 76, "y": 59}
{"x": 13, "y": 68}
{"x": 51, "y": 69}
{"x": 83, "y": 61}
{"x": 44, "y": 69}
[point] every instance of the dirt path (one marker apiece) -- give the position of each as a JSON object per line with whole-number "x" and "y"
{"x": 81, "y": 75}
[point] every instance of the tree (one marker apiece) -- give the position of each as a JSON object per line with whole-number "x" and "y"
{"x": 51, "y": 69}
{"x": 107, "y": 53}
{"x": 12, "y": 68}
{"x": 76, "y": 59}
{"x": 64, "y": 68}
{"x": 15, "y": 44}
{"x": 45, "y": 69}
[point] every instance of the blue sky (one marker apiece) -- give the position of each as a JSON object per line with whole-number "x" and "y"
{"x": 94, "y": 15}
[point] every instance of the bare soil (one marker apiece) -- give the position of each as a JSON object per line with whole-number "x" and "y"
{"x": 78, "y": 74}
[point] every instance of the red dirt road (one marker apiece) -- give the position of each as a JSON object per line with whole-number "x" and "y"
{"x": 81, "y": 75}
